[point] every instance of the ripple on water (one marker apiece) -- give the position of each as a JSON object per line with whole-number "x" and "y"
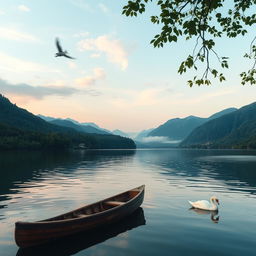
{"x": 230, "y": 158}
{"x": 171, "y": 177}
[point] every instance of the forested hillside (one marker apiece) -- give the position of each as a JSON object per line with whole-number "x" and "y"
{"x": 20, "y": 129}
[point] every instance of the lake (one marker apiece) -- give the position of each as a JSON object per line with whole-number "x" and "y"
{"x": 36, "y": 185}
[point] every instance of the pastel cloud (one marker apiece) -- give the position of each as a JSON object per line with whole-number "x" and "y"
{"x": 23, "y": 8}
{"x": 112, "y": 48}
{"x": 144, "y": 98}
{"x": 13, "y": 34}
{"x": 103, "y": 8}
{"x": 81, "y": 34}
{"x": 13, "y": 64}
{"x": 98, "y": 74}
{"x": 36, "y": 92}
{"x": 81, "y": 4}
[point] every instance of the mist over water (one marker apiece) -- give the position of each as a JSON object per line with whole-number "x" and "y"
{"x": 35, "y": 185}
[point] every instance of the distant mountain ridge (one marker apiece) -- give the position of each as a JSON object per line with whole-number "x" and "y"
{"x": 14, "y": 116}
{"x": 177, "y": 128}
{"x": 120, "y": 133}
{"x": 143, "y": 134}
{"x": 71, "y": 123}
{"x": 180, "y": 128}
{"x": 234, "y": 129}
{"x": 77, "y": 127}
{"x": 21, "y": 129}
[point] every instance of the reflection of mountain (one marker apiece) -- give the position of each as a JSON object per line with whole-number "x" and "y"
{"x": 204, "y": 163}
{"x": 23, "y": 166}
{"x": 82, "y": 241}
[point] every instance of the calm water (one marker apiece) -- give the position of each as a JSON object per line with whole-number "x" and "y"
{"x": 36, "y": 186}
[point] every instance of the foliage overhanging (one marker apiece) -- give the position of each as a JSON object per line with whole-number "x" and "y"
{"x": 202, "y": 21}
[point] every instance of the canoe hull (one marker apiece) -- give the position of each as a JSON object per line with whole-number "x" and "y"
{"x": 29, "y": 234}
{"x": 73, "y": 244}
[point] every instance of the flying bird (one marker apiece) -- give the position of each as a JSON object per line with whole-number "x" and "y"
{"x": 60, "y": 52}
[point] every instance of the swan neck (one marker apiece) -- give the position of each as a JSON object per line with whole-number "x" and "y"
{"x": 214, "y": 203}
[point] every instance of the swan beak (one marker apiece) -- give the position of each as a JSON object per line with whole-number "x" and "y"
{"x": 217, "y": 201}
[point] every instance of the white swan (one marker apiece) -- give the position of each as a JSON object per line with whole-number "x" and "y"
{"x": 206, "y": 205}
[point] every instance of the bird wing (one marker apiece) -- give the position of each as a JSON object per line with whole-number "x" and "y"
{"x": 58, "y": 45}
{"x": 67, "y": 56}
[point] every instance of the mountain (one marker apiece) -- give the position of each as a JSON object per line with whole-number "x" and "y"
{"x": 15, "y": 138}
{"x": 77, "y": 127}
{"x": 180, "y": 128}
{"x": 244, "y": 137}
{"x": 131, "y": 135}
{"x": 95, "y": 126}
{"x": 21, "y": 129}
{"x": 14, "y": 116}
{"x": 235, "y": 129}
{"x": 222, "y": 113}
{"x": 177, "y": 128}
{"x": 143, "y": 134}
{"x": 46, "y": 118}
{"x": 82, "y": 127}
{"x": 120, "y": 133}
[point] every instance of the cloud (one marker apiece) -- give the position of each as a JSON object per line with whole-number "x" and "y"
{"x": 58, "y": 83}
{"x": 81, "y": 4}
{"x": 144, "y": 98}
{"x": 15, "y": 65}
{"x": 159, "y": 139}
{"x": 204, "y": 97}
{"x": 23, "y": 8}
{"x": 95, "y": 55}
{"x": 36, "y": 92}
{"x": 25, "y": 92}
{"x": 103, "y": 8}
{"x": 72, "y": 65}
{"x": 12, "y": 34}
{"x": 98, "y": 74}
{"x": 112, "y": 48}
{"x": 148, "y": 97}
{"x": 82, "y": 34}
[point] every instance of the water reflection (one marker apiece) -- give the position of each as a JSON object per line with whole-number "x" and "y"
{"x": 37, "y": 185}
{"x": 19, "y": 167}
{"x": 74, "y": 244}
{"x": 214, "y": 217}
{"x": 233, "y": 167}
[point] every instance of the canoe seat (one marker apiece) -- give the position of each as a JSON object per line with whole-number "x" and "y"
{"x": 114, "y": 203}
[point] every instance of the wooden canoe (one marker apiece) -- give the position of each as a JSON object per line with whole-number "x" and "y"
{"x": 76, "y": 243}
{"x": 86, "y": 218}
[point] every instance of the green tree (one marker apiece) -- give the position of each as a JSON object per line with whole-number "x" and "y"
{"x": 202, "y": 21}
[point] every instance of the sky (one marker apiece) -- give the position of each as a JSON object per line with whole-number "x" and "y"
{"x": 118, "y": 80}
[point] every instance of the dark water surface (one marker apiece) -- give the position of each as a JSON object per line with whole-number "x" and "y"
{"x": 36, "y": 186}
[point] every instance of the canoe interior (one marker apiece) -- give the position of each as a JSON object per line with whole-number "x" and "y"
{"x": 99, "y": 207}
